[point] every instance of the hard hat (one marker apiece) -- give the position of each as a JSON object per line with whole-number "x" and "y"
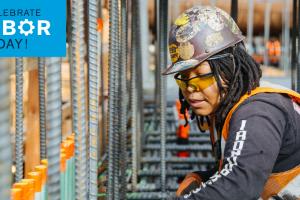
{"x": 199, "y": 33}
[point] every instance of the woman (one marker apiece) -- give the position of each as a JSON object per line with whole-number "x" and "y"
{"x": 255, "y": 131}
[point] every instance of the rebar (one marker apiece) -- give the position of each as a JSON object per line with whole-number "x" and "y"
{"x": 145, "y": 195}
{"x": 154, "y": 173}
{"x": 41, "y": 72}
{"x": 179, "y": 147}
{"x": 234, "y": 10}
{"x": 116, "y": 63}
{"x": 267, "y": 31}
{"x": 213, "y": 2}
{"x": 140, "y": 58}
{"x": 113, "y": 126}
{"x": 285, "y": 60}
{"x": 103, "y": 142}
{"x": 78, "y": 101}
{"x": 133, "y": 75}
{"x": 54, "y": 114}
{"x": 5, "y": 147}
{"x": 123, "y": 92}
{"x": 250, "y": 26}
{"x": 162, "y": 41}
{"x": 206, "y": 160}
{"x": 93, "y": 98}
{"x": 298, "y": 56}
{"x": 19, "y": 120}
{"x": 294, "y": 50}
{"x": 157, "y": 69}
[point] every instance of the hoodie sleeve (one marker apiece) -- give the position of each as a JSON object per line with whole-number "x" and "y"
{"x": 255, "y": 135}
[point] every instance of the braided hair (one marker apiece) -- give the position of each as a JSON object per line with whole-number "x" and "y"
{"x": 239, "y": 73}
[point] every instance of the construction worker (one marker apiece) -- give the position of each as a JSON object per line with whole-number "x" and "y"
{"x": 254, "y": 130}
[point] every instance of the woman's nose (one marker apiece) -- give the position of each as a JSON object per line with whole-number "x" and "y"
{"x": 191, "y": 88}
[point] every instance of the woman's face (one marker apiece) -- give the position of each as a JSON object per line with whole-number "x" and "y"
{"x": 203, "y": 102}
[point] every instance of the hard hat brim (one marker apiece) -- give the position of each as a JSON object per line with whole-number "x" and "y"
{"x": 191, "y": 63}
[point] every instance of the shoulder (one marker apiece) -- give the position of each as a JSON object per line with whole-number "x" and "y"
{"x": 271, "y": 106}
{"x": 266, "y": 102}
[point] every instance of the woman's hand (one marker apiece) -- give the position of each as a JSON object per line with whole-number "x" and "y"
{"x": 190, "y": 182}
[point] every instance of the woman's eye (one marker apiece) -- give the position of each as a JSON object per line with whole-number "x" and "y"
{"x": 182, "y": 76}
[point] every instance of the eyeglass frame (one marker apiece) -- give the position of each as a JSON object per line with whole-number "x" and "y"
{"x": 208, "y": 74}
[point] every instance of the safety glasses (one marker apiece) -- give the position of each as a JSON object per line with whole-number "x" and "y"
{"x": 200, "y": 82}
{"x": 197, "y": 83}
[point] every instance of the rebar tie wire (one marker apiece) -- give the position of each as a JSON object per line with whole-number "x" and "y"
{"x": 5, "y": 147}
{"x": 93, "y": 92}
{"x": 54, "y": 114}
{"x": 78, "y": 98}
{"x": 19, "y": 120}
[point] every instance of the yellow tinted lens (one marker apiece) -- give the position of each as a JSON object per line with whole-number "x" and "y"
{"x": 202, "y": 83}
{"x": 181, "y": 84}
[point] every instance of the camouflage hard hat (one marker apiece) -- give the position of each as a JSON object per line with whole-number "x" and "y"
{"x": 199, "y": 33}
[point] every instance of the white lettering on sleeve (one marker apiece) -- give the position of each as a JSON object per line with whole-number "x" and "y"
{"x": 231, "y": 161}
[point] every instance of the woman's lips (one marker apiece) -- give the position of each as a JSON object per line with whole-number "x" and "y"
{"x": 196, "y": 103}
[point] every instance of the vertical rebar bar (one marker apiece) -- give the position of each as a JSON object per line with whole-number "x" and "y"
{"x": 124, "y": 95}
{"x": 286, "y": 37}
{"x": 5, "y": 147}
{"x": 19, "y": 120}
{"x": 117, "y": 118}
{"x": 297, "y": 55}
{"x": 162, "y": 57}
{"x": 157, "y": 70}
{"x": 267, "y": 31}
{"x": 78, "y": 100}
{"x": 213, "y": 2}
{"x": 93, "y": 97}
{"x": 139, "y": 78}
{"x": 113, "y": 126}
{"x": 294, "y": 50}
{"x": 250, "y": 26}
{"x": 234, "y": 10}
{"x": 102, "y": 143}
{"x": 133, "y": 86}
{"x": 41, "y": 72}
{"x": 54, "y": 114}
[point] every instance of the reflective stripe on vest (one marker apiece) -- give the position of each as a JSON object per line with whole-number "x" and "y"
{"x": 277, "y": 183}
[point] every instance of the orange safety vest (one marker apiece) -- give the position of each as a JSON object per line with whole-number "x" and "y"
{"x": 277, "y": 183}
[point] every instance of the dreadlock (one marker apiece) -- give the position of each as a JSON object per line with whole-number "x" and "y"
{"x": 239, "y": 73}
